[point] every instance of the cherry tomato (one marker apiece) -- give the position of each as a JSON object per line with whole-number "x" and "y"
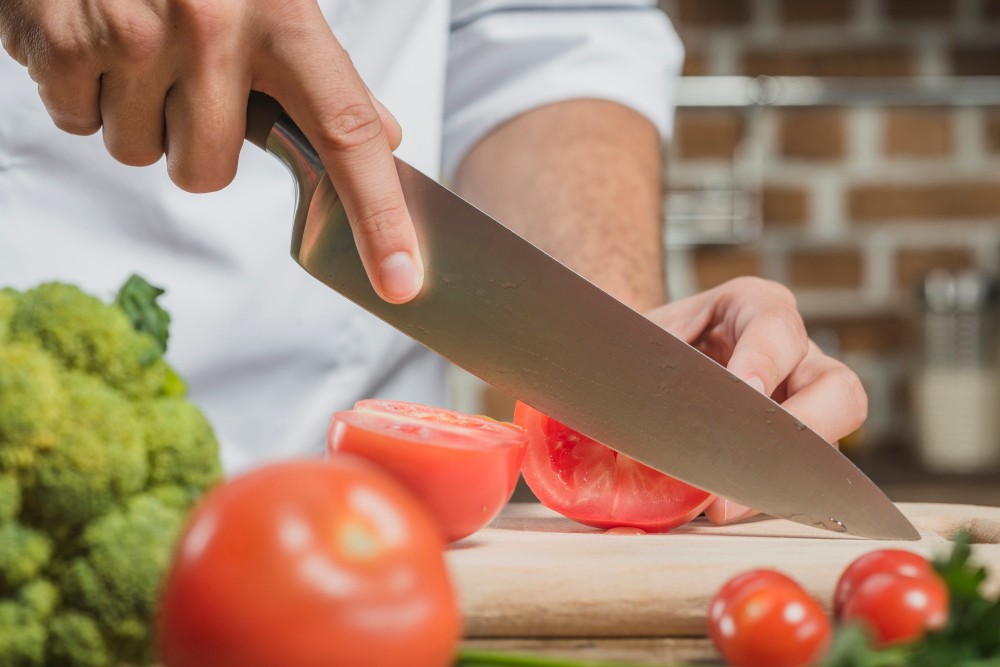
{"x": 898, "y": 608}
{"x": 764, "y": 619}
{"x": 309, "y": 564}
{"x": 890, "y": 561}
{"x": 464, "y": 468}
{"x": 596, "y": 486}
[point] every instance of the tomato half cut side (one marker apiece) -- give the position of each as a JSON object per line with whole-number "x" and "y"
{"x": 463, "y": 468}
{"x": 594, "y": 485}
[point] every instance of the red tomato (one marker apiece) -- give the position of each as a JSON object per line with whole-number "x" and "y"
{"x": 764, "y": 619}
{"x": 309, "y": 564}
{"x": 464, "y": 468}
{"x": 596, "y": 486}
{"x": 890, "y": 561}
{"x": 898, "y": 608}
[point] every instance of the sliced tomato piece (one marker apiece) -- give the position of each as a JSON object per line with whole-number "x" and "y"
{"x": 596, "y": 486}
{"x": 464, "y": 468}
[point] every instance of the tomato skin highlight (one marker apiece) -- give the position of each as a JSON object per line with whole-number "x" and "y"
{"x": 764, "y": 619}
{"x": 897, "y": 608}
{"x": 596, "y": 486}
{"x": 309, "y": 564}
{"x": 883, "y": 561}
{"x": 464, "y": 468}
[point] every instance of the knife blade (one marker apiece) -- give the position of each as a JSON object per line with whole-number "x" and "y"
{"x": 509, "y": 313}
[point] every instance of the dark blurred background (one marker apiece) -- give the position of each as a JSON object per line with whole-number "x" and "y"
{"x": 851, "y": 150}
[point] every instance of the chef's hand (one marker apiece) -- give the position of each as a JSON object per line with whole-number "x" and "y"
{"x": 173, "y": 76}
{"x": 754, "y": 329}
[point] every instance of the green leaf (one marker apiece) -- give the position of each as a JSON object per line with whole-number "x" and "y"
{"x": 138, "y": 299}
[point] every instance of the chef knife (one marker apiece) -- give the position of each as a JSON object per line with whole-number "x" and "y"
{"x": 509, "y": 313}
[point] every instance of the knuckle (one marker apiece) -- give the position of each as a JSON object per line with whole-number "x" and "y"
{"x": 207, "y": 20}
{"x": 383, "y": 219}
{"x": 790, "y": 322}
{"x": 351, "y": 127}
{"x": 138, "y": 36}
{"x": 65, "y": 48}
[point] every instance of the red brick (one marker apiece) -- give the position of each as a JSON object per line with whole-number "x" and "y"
{"x": 976, "y": 61}
{"x": 714, "y": 266}
{"x": 785, "y": 206}
{"x": 825, "y": 268}
{"x": 927, "y": 201}
{"x": 913, "y": 264}
{"x": 856, "y": 62}
{"x": 920, "y": 10}
{"x": 993, "y": 132}
{"x": 874, "y": 333}
{"x": 814, "y": 134}
{"x": 815, "y": 11}
{"x": 913, "y": 132}
{"x": 708, "y": 134}
{"x": 713, "y": 12}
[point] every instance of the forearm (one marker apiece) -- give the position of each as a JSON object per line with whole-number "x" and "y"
{"x": 581, "y": 180}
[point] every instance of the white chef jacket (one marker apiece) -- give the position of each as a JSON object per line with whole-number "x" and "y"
{"x": 270, "y": 353}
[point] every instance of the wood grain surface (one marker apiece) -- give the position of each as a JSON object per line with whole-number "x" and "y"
{"x": 534, "y": 573}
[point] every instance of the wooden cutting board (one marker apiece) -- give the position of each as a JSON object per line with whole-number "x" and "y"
{"x": 534, "y": 573}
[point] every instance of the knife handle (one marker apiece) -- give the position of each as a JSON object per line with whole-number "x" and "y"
{"x": 263, "y": 111}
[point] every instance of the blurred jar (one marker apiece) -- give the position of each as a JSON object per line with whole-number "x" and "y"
{"x": 957, "y": 387}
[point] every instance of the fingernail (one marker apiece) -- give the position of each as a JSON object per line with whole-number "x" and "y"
{"x": 399, "y": 277}
{"x": 733, "y": 511}
{"x": 757, "y": 384}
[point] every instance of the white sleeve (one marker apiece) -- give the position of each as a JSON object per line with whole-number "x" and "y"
{"x": 509, "y": 56}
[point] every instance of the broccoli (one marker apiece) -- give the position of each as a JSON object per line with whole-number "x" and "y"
{"x": 101, "y": 457}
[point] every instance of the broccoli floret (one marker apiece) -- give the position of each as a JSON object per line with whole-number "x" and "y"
{"x": 32, "y": 399}
{"x": 40, "y": 596}
{"x": 75, "y": 640}
{"x": 182, "y": 447}
{"x": 10, "y": 497}
{"x": 23, "y": 553}
{"x": 8, "y": 303}
{"x": 22, "y": 636}
{"x": 119, "y": 577}
{"x": 91, "y": 336}
{"x": 99, "y": 458}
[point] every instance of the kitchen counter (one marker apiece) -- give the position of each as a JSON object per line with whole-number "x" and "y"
{"x": 636, "y": 650}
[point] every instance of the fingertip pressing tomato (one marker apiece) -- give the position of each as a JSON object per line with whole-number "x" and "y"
{"x": 898, "y": 608}
{"x": 595, "y": 485}
{"x": 883, "y": 561}
{"x": 309, "y": 564}
{"x": 764, "y": 619}
{"x": 464, "y": 468}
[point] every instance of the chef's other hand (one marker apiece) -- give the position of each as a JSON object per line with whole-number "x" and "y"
{"x": 754, "y": 329}
{"x": 173, "y": 76}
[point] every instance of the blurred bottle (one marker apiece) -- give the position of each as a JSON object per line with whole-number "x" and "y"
{"x": 957, "y": 387}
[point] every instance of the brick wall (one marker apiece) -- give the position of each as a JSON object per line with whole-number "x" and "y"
{"x": 858, "y": 203}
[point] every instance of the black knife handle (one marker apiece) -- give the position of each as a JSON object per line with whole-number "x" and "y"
{"x": 263, "y": 112}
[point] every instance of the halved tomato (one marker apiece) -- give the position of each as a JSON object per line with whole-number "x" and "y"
{"x": 463, "y": 467}
{"x": 582, "y": 479}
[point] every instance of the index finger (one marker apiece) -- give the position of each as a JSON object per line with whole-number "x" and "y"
{"x": 333, "y": 109}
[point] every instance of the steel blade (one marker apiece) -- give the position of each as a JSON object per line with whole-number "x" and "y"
{"x": 507, "y": 312}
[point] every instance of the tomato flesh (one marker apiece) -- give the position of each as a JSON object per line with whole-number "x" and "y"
{"x": 595, "y": 485}
{"x": 764, "y": 619}
{"x": 883, "y": 561}
{"x": 309, "y": 564}
{"x": 464, "y": 468}
{"x": 897, "y": 608}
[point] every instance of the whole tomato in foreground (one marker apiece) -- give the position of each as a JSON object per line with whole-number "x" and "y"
{"x": 594, "y": 485}
{"x": 463, "y": 468}
{"x": 764, "y": 619}
{"x": 309, "y": 564}
{"x": 897, "y": 608}
{"x": 883, "y": 561}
